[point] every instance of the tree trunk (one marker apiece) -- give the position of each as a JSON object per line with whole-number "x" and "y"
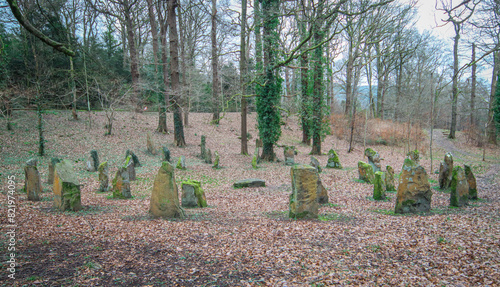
{"x": 215, "y": 66}
{"x": 243, "y": 78}
{"x": 305, "y": 109}
{"x": 318, "y": 96}
{"x": 162, "y": 116}
{"x": 134, "y": 67}
{"x": 164, "y": 60}
{"x": 454, "y": 87}
{"x": 73, "y": 88}
{"x": 399, "y": 88}
{"x": 349, "y": 79}
{"x": 174, "y": 73}
{"x": 491, "y": 129}
{"x": 183, "y": 71}
{"x": 473, "y": 89}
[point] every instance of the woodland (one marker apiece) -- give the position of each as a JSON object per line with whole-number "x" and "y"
{"x": 82, "y": 75}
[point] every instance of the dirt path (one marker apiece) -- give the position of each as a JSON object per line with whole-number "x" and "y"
{"x": 443, "y": 142}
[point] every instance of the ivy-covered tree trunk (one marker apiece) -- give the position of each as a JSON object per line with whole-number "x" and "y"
{"x": 243, "y": 78}
{"x": 215, "y": 66}
{"x": 317, "y": 101}
{"x": 268, "y": 93}
{"x": 174, "y": 74}
{"x": 305, "y": 108}
{"x": 491, "y": 129}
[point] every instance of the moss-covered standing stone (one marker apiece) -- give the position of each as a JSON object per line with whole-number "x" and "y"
{"x": 459, "y": 188}
{"x": 166, "y": 154}
{"x": 471, "y": 180}
{"x": 192, "y": 194}
{"x": 365, "y": 171}
{"x": 208, "y": 156}
{"x": 134, "y": 158}
{"x": 333, "y": 160}
{"x": 322, "y": 193}
{"x": 303, "y": 199}
{"x": 315, "y": 163}
{"x": 203, "y": 147}
{"x": 389, "y": 179}
{"x": 181, "y": 163}
{"x": 216, "y": 161}
{"x": 379, "y": 186}
{"x": 165, "y": 197}
{"x": 66, "y": 187}
{"x": 150, "y": 145}
{"x": 373, "y": 159}
{"x": 414, "y": 191}
{"x": 414, "y": 155}
{"x": 445, "y": 171}
{"x": 129, "y": 165}
{"x": 32, "y": 181}
{"x": 121, "y": 184}
{"x": 103, "y": 177}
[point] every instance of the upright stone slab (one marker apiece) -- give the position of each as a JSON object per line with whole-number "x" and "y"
{"x": 181, "y": 163}
{"x": 414, "y": 191}
{"x": 445, "y": 171}
{"x": 166, "y": 154}
{"x": 52, "y": 166}
{"x": 459, "y": 188}
{"x": 32, "y": 181}
{"x": 289, "y": 153}
{"x": 365, "y": 172}
{"x": 103, "y": 177}
{"x": 333, "y": 160}
{"x": 208, "y": 156}
{"x": 259, "y": 143}
{"x": 129, "y": 165}
{"x": 379, "y": 186}
{"x": 471, "y": 180}
{"x": 303, "y": 200}
{"x": 389, "y": 179}
{"x": 66, "y": 187}
{"x": 255, "y": 158}
{"x": 203, "y": 148}
{"x": 150, "y": 145}
{"x": 315, "y": 163}
{"x": 134, "y": 158}
{"x": 93, "y": 161}
{"x": 165, "y": 197}
{"x": 121, "y": 184}
{"x": 373, "y": 159}
{"x": 192, "y": 194}
{"x": 322, "y": 193}
{"x": 216, "y": 161}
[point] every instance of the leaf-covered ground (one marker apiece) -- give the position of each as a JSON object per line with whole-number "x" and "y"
{"x": 244, "y": 237}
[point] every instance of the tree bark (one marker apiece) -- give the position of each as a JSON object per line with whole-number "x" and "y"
{"x": 243, "y": 78}
{"x": 473, "y": 89}
{"x": 174, "y": 73}
{"x": 134, "y": 66}
{"x": 454, "y": 87}
{"x": 491, "y": 128}
{"x": 215, "y": 66}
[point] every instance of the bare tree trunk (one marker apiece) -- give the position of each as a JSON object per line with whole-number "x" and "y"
{"x": 243, "y": 78}
{"x": 73, "y": 88}
{"x": 215, "y": 66}
{"x": 174, "y": 73}
{"x": 473, "y": 89}
{"x": 349, "y": 79}
{"x": 183, "y": 71}
{"x": 134, "y": 66}
{"x": 162, "y": 112}
{"x": 491, "y": 129}
{"x": 454, "y": 87}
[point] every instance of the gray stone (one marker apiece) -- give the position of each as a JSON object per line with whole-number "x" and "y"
{"x": 251, "y": 182}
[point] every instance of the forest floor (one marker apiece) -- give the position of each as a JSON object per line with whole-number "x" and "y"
{"x": 244, "y": 237}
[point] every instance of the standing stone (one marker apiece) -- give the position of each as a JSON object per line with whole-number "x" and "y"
{"x": 203, "y": 147}
{"x": 208, "y": 156}
{"x": 289, "y": 153}
{"x": 389, "y": 179}
{"x": 66, "y": 187}
{"x": 255, "y": 159}
{"x": 150, "y": 145}
{"x": 103, "y": 177}
{"x": 322, "y": 193}
{"x": 445, "y": 171}
{"x": 121, "y": 184}
{"x": 52, "y": 167}
{"x": 414, "y": 191}
{"x": 165, "y": 197}
{"x": 134, "y": 158}
{"x": 216, "y": 162}
{"x": 414, "y": 155}
{"x": 303, "y": 200}
{"x": 459, "y": 188}
{"x": 471, "y": 180}
{"x": 129, "y": 165}
{"x": 259, "y": 143}
{"x": 365, "y": 172}
{"x": 166, "y": 154}
{"x": 315, "y": 163}
{"x": 379, "y": 186}
{"x": 333, "y": 160}
{"x": 192, "y": 194}
{"x": 181, "y": 163}
{"x": 373, "y": 159}
{"x": 32, "y": 181}
{"x": 93, "y": 161}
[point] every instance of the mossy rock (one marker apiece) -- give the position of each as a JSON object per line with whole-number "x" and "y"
{"x": 192, "y": 194}
{"x": 414, "y": 191}
{"x": 333, "y": 160}
{"x": 66, "y": 187}
{"x": 181, "y": 163}
{"x": 471, "y": 180}
{"x": 389, "y": 179}
{"x": 304, "y": 197}
{"x": 459, "y": 195}
{"x": 365, "y": 171}
{"x": 414, "y": 155}
{"x": 378, "y": 186}
{"x": 251, "y": 182}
